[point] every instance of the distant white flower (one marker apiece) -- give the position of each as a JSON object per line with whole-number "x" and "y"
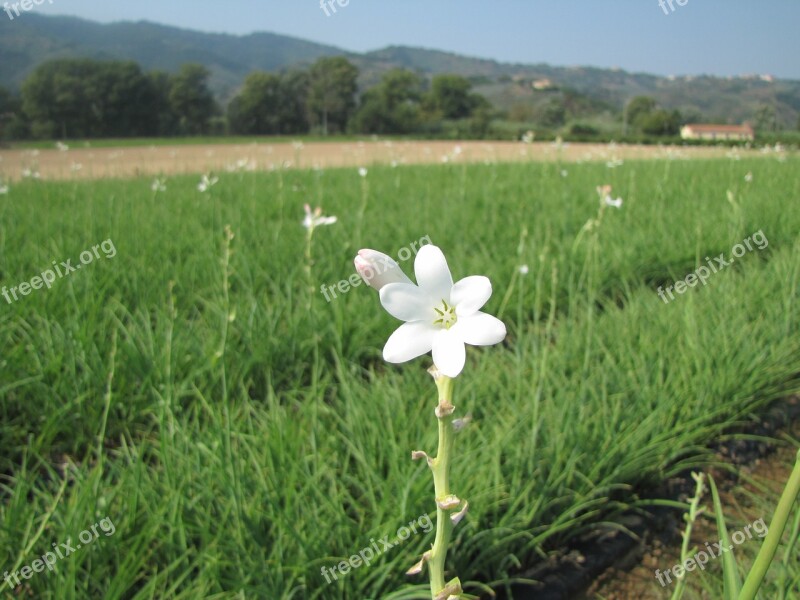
{"x": 528, "y": 137}
{"x": 315, "y": 218}
{"x": 394, "y": 164}
{"x": 206, "y": 183}
{"x": 440, "y": 317}
{"x": 523, "y": 269}
{"x": 614, "y": 163}
{"x": 159, "y": 185}
{"x": 3, "y": 189}
{"x": 75, "y": 167}
{"x": 605, "y": 196}
{"x": 733, "y": 154}
{"x": 243, "y": 164}
{"x": 62, "y": 147}
{"x": 749, "y": 177}
{"x": 297, "y": 145}
{"x": 564, "y": 172}
{"x": 363, "y": 172}
{"x": 29, "y": 174}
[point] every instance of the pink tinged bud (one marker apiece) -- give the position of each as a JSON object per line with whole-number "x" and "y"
{"x": 377, "y": 269}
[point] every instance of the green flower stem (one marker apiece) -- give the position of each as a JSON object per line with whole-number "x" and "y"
{"x": 694, "y": 512}
{"x": 440, "y": 466}
{"x": 770, "y": 545}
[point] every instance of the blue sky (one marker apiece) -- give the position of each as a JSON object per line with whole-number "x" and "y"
{"x": 720, "y": 37}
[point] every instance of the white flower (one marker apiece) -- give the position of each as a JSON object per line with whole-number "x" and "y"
{"x": 62, "y": 147}
{"x": 29, "y": 174}
{"x": 614, "y": 163}
{"x": 206, "y": 183}
{"x": 75, "y": 167}
{"x": 3, "y": 189}
{"x": 159, "y": 185}
{"x": 523, "y": 269}
{"x": 749, "y": 177}
{"x": 315, "y": 218}
{"x": 564, "y": 172}
{"x": 440, "y": 317}
{"x": 362, "y": 172}
{"x": 605, "y": 196}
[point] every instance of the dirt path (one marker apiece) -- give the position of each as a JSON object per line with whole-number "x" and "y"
{"x": 637, "y": 579}
{"x": 96, "y": 163}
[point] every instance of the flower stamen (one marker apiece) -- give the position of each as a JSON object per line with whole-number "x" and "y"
{"x": 447, "y": 314}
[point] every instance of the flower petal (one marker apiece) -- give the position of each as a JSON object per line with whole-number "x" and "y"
{"x": 470, "y": 294}
{"x": 449, "y": 352}
{"x": 410, "y": 340}
{"x": 433, "y": 274}
{"x": 378, "y": 269}
{"x": 407, "y": 302}
{"x": 480, "y": 329}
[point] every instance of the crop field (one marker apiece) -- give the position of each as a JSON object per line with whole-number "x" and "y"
{"x": 203, "y": 385}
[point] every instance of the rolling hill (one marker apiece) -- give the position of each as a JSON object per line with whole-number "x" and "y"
{"x": 27, "y": 42}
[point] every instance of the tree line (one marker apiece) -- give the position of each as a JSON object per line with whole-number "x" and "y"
{"x": 85, "y": 98}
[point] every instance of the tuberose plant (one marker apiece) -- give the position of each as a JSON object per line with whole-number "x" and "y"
{"x": 440, "y": 317}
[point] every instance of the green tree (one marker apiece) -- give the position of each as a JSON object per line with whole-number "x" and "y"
{"x": 638, "y": 109}
{"x": 553, "y": 114}
{"x": 255, "y": 110}
{"x": 293, "y": 110}
{"x": 270, "y": 104}
{"x": 392, "y": 106}
{"x": 450, "y": 97}
{"x": 165, "y": 119}
{"x": 660, "y": 122}
{"x": 766, "y": 118}
{"x": 192, "y": 100}
{"x": 13, "y": 123}
{"x": 332, "y": 93}
{"x": 87, "y": 98}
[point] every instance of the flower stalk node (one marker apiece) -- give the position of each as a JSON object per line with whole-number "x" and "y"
{"x": 456, "y": 518}
{"x": 417, "y": 568}
{"x": 444, "y": 410}
{"x": 448, "y": 502}
{"x": 450, "y": 591}
{"x": 417, "y": 454}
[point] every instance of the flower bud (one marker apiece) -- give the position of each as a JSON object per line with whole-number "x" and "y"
{"x": 377, "y": 269}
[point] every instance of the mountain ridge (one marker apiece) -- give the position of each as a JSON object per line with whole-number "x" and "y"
{"x": 33, "y": 38}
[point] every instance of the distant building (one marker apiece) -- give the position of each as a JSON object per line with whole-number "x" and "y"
{"x": 543, "y": 84}
{"x": 717, "y": 132}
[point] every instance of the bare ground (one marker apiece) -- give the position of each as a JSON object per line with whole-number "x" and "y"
{"x": 98, "y": 163}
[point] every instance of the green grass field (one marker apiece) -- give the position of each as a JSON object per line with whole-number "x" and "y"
{"x": 242, "y": 433}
